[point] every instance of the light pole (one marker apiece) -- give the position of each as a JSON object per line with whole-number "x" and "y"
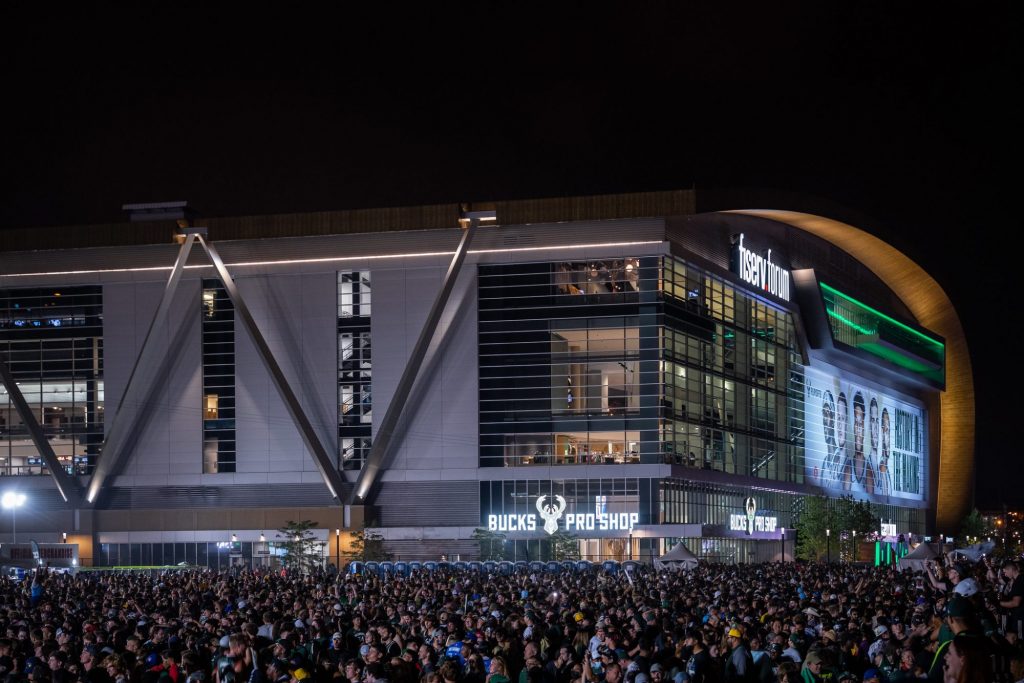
{"x": 337, "y": 545}
{"x": 853, "y": 555}
{"x": 13, "y": 501}
{"x": 782, "y": 538}
{"x": 828, "y": 544}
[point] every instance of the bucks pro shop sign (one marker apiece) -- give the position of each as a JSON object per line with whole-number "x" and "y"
{"x": 553, "y": 516}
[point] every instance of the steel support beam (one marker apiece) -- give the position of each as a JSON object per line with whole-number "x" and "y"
{"x": 362, "y": 492}
{"x": 109, "y": 459}
{"x": 328, "y": 470}
{"x": 67, "y": 486}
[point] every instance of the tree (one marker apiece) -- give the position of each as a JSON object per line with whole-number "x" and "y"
{"x": 303, "y": 552}
{"x": 367, "y": 546}
{"x": 812, "y": 540}
{"x": 842, "y": 517}
{"x": 974, "y": 527}
{"x": 564, "y": 546}
{"x": 491, "y": 543}
{"x": 858, "y": 520}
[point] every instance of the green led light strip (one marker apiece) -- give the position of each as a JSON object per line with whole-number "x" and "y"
{"x": 850, "y": 323}
{"x": 882, "y": 315}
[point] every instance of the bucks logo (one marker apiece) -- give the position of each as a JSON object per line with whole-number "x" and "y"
{"x": 551, "y": 513}
{"x": 751, "y": 509}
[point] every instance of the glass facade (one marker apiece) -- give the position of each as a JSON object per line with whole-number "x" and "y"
{"x": 218, "y": 338}
{"x": 633, "y": 360}
{"x": 642, "y": 360}
{"x": 355, "y": 365}
{"x": 726, "y": 383}
{"x": 569, "y": 362}
{"x": 215, "y": 555}
{"x": 52, "y": 342}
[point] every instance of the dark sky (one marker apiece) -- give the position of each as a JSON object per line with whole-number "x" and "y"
{"x": 907, "y": 120}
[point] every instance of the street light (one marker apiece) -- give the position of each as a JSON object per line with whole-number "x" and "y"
{"x": 783, "y": 539}
{"x": 854, "y": 554}
{"x": 828, "y": 544}
{"x": 13, "y": 501}
{"x": 337, "y": 545}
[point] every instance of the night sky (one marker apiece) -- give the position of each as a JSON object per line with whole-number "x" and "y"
{"x": 900, "y": 123}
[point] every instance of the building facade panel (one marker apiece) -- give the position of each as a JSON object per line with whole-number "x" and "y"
{"x": 629, "y": 384}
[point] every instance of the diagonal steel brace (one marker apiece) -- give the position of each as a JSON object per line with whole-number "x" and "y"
{"x": 119, "y": 427}
{"x": 362, "y": 492}
{"x": 332, "y": 478}
{"x": 66, "y": 484}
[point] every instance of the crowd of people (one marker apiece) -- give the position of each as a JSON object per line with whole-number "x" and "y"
{"x": 769, "y": 622}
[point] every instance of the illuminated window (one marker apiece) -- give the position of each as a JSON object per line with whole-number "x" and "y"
{"x": 210, "y": 411}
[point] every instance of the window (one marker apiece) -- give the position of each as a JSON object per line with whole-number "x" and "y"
{"x": 52, "y": 341}
{"x": 355, "y": 365}
{"x": 218, "y": 340}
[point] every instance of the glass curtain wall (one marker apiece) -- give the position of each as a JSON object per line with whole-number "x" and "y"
{"x": 52, "y": 342}
{"x": 569, "y": 362}
{"x": 725, "y": 378}
{"x": 355, "y": 365}
{"x": 218, "y": 334}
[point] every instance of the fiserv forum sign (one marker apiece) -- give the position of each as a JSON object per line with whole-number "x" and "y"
{"x": 759, "y": 271}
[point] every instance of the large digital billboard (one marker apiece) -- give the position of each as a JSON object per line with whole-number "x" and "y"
{"x": 861, "y": 441}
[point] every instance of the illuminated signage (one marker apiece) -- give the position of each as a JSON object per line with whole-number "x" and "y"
{"x": 551, "y": 512}
{"x": 750, "y": 521}
{"x": 888, "y": 529}
{"x": 759, "y": 271}
{"x": 861, "y": 441}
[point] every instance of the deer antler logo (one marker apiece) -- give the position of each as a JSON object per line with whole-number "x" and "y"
{"x": 750, "y": 507}
{"x": 551, "y": 513}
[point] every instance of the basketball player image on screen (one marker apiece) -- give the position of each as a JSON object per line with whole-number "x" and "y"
{"x": 842, "y": 419}
{"x": 829, "y": 465}
{"x": 873, "y": 453}
{"x": 884, "y": 476}
{"x": 863, "y": 473}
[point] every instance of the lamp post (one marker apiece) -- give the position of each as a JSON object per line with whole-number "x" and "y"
{"x": 13, "y": 501}
{"x": 782, "y": 538}
{"x": 828, "y": 544}
{"x": 337, "y": 547}
{"x": 853, "y": 554}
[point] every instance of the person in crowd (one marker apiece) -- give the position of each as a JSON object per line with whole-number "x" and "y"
{"x": 714, "y": 623}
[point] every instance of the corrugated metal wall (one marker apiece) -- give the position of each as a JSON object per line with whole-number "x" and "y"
{"x": 441, "y": 503}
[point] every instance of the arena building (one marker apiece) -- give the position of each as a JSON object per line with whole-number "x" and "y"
{"x": 623, "y": 371}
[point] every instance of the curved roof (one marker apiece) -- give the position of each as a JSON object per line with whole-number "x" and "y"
{"x": 929, "y": 304}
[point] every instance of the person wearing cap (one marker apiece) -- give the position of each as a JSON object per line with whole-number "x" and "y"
{"x": 91, "y": 670}
{"x": 792, "y": 648}
{"x": 959, "y": 621}
{"x": 739, "y": 664}
{"x": 335, "y": 649}
{"x": 872, "y": 675}
{"x": 700, "y": 667}
{"x": 881, "y": 641}
{"x": 277, "y": 671}
{"x": 812, "y": 669}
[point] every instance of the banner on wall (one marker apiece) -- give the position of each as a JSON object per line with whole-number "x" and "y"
{"x": 862, "y": 442}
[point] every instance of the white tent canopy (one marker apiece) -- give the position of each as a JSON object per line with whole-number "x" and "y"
{"x": 975, "y": 552}
{"x": 679, "y": 557}
{"x": 917, "y": 557}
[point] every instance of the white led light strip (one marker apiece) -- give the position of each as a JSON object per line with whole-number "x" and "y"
{"x": 336, "y": 259}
